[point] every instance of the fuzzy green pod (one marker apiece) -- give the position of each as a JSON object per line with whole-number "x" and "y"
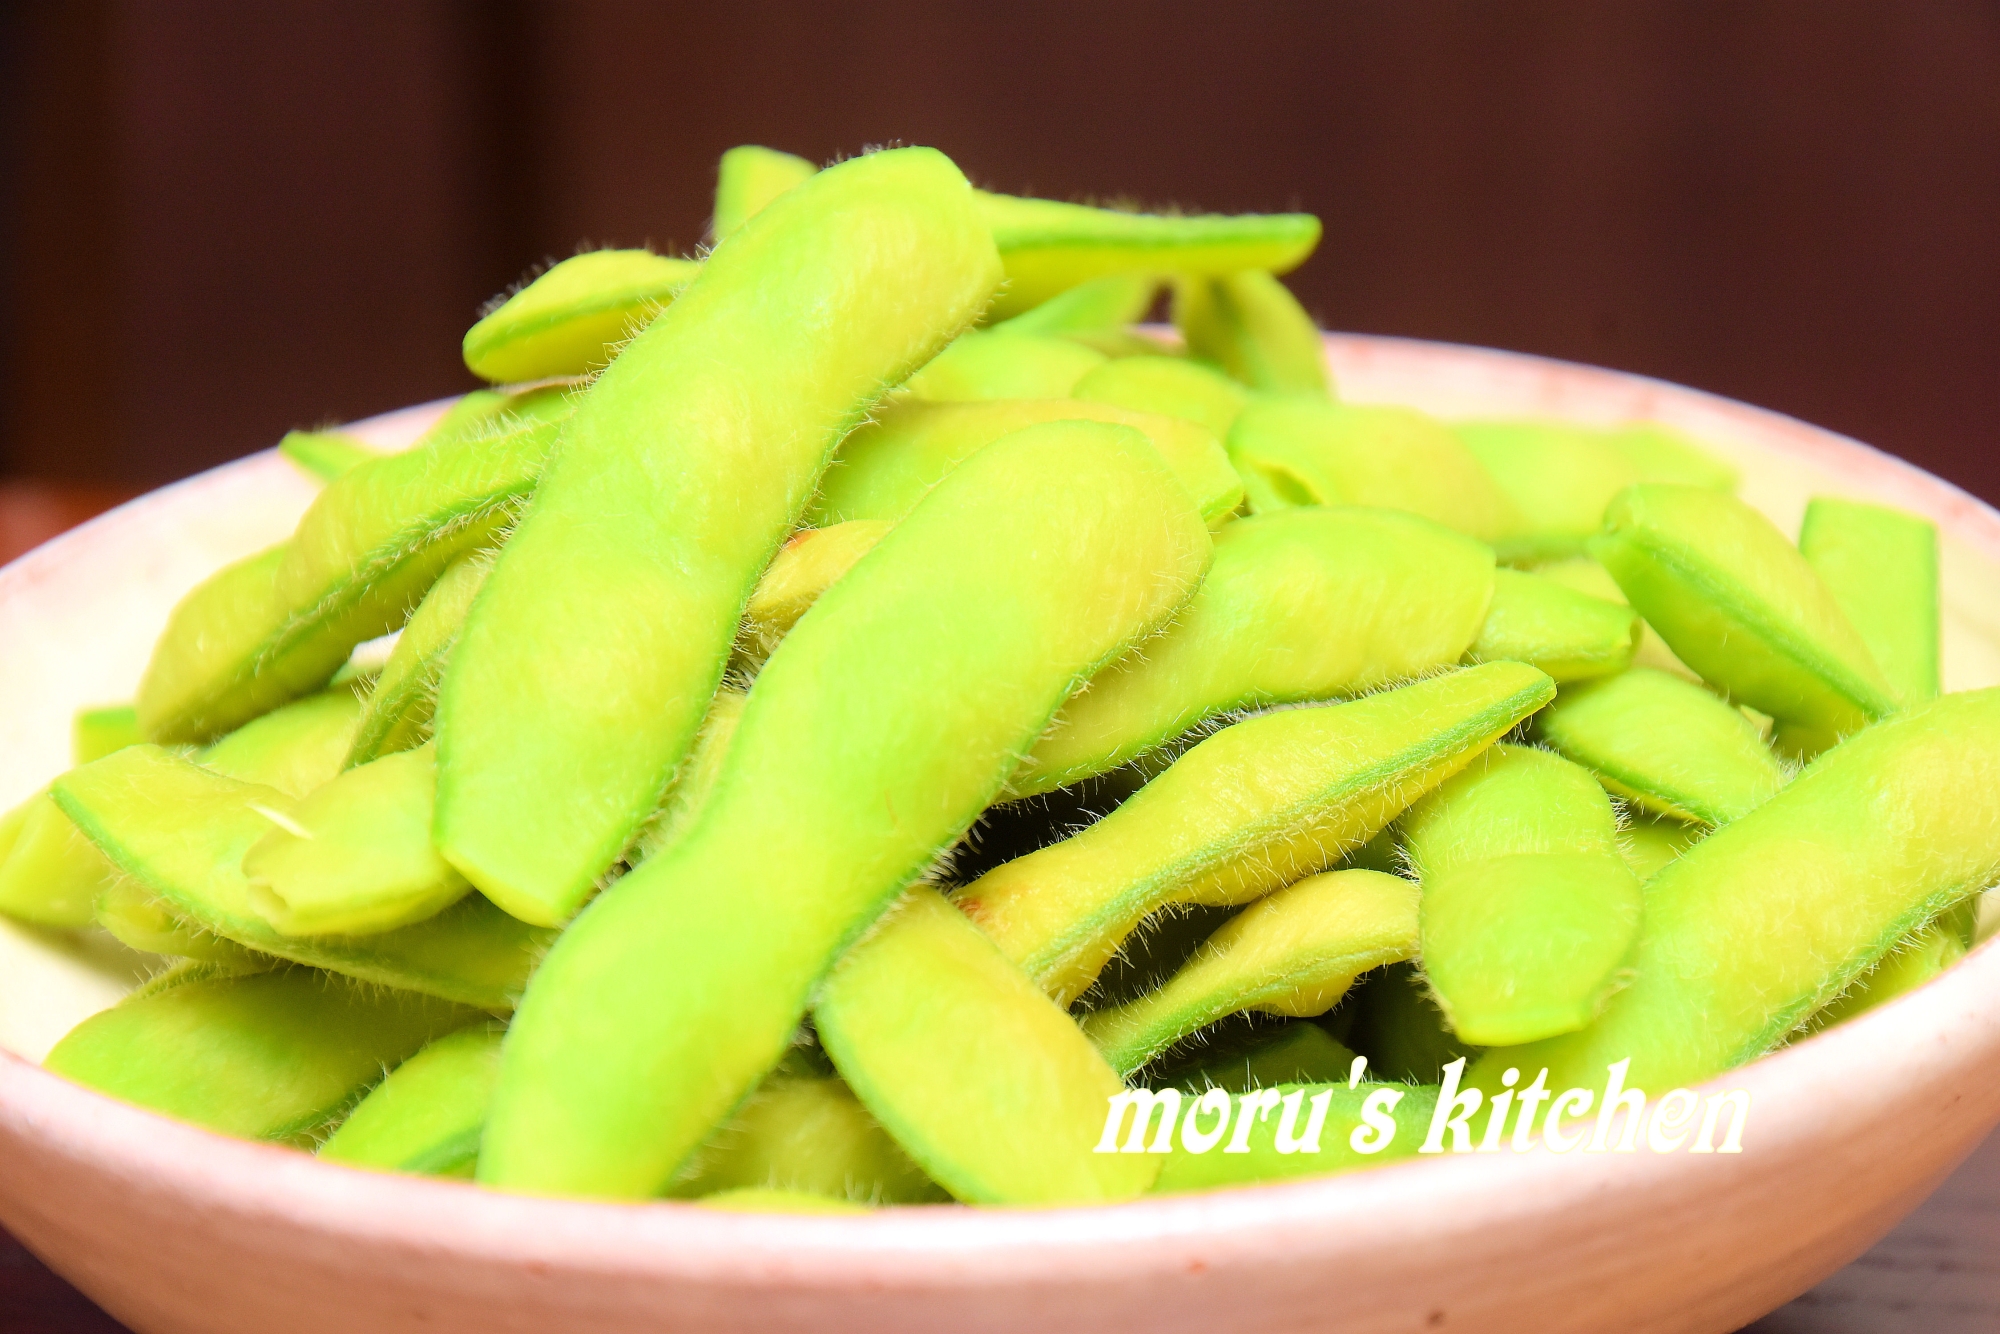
{"x": 805, "y": 567}
{"x": 1666, "y": 744}
{"x": 181, "y": 832}
{"x": 135, "y": 917}
{"x": 398, "y": 710}
{"x": 1651, "y": 843}
{"x": 747, "y": 179}
{"x": 1739, "y": 604}
{"x": 1293, "y": 452}
{"x": 979, "y": 1076}
{"x": 566, "y": 708}
{"x": 354, "y": 858}
{"x": 1881, "y": 565}
{"x": 1298, "y": 1053}
{"x": 1657, "y": 452}
{"x": 1252, "y": 326}
{"x": 949, "y": 646}
{"x": 1051, "y": 247}
{"x": 272, "y": 1056}
{"x": 294, "y": 748}
{"x": 1581, "y": 574}
{"x": 890, "y": 462}
{"x": 985, "y": 364}
{"x": 1302, "y": 605}
{"x": 694, "y": 781}
{"x": 1328, "y": 1127}
{"x": 325, "y": 455}
{"x": 95, "y": 733}
{"x": 1770, "y": 918}
{"x": 1529, "y": 909}
{"x": 1915, "y": 960}
{"x": 1295, "y": 952}
{"x": 571, "y": 320}
{"x": 1099, "y": 306}
{"x": 1571, "y": 636}
{"x": 1259, "y": 804}
{"x": 427, "y": 1116}
{"x": 1168, "y": 386}
{"x": 1397, "y": 1025}
{"x": 50, "y": 874}
{"x": 279, "y": 624}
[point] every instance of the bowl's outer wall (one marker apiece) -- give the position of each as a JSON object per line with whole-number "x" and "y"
{"x": 174, "y": 1229}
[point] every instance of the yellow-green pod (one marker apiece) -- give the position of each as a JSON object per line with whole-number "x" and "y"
{"x": 354, "y": 858}
{"x": 1259, "y": 804}
{"x": 1295, "y": 1130}
{"x": 1660, "y": 453}
{"x": 1651, "y": 843}
{"x": 980, "y": 1077}
{"x": 1529, "y": 909}
{"x": 272, "y": 1056}
{"x": 1169, "y": 387}
{"x": 1915, "y": 960}
{"x": 1569, "y": 635}
{"x": 1252, "y": 326}
{"x": 50, "y": 874}
{"x": 805, "y": 567}
{"x": 1665, "y": 744}
{"x": 325, "y": 455}
{"x": 694, "y": 781}
{"x": 1399, "y": 1028}
{"x": 1740, "y": 605}
{"x": 1581, "y": 574}
{"x": 747, "y": 178}
{"x": 890, "y": 462}
{"x": 134, "y": 916}
{"x": 984, "y": 364}
{"x": 1405, "y": 595}
{"x": 1051, "y": 247}
{"x": 1293, "y": 452}
{"x": 398, "y": 711}
{"x": 427, "y": 1116}
{"x": 181, "y": 831}
{"x": 1298, "y": 1053}
{"x": 1295, "y": 953}
{"x": 1881, "y": 565}
{"x": 1770, "y": 918}
{"x": 571, "y": 320}
{"x": 95, "y": 733}
{"x": 1097, "y": 307}
{"x": 294, "y": 748}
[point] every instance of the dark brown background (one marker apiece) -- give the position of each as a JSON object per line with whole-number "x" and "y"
{"x": 223, "y": 218}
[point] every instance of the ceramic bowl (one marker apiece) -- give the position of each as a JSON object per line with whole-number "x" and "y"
{"x": 174, "y": 1229}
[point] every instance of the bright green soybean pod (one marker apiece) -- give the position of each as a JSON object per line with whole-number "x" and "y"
{"x": 1651, "y": 843}
{"x": 1771, "y": 917}
{"x": 1529, "y": 909}
{"x": 294, "y": 748}
{"x": 1051, "y": 247}
{"x": 983, "y": 364}
{"x": 140, "y": 920}
{"x": 888, "y": 464}
{"x": 1099, "y": 306}
{"x": 1302, "y": 605}
{"x": 805, "y": 567}
{"x": 1259, "y": 804}
{"x": 948, "y": 646}
{"x": 565, "y": 710}
{"x": 1251, "y": 325}
{"x": 1666, "y": 744}
{"x": 1295, "y": 952}
{"x": 1298, "y": 1053}
{"x": 1294, "y": 452}
{"x": 1881, "y": 565}
{"x": 427, "y": 1116}
{"x": 570, "y": 320}
{"x": 1398, "y": 1026}
{"x": 50, "y": 874}
{"x": 987, "y": 1084}
{"x": 1168, "y": 386}
{"x": 1571, "y": 636}
{"x": 1581, "y": 574}
{"x": 1739, "y": 604}
{"x": 398, "y": 711}
{"x": 1916, "y": 959}
{"x": 747, "y": 179}
{"x": 181, "y": 832}
{"x": 694, "y": 781}
{"x": 1330, "y": 1129}
{"x": 273, "y": 1056}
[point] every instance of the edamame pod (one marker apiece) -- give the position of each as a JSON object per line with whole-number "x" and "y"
{"x": 1881, "y": 565}
{"x": 1300, "y": 605}
{"x": 1770, "y": 917}
{"x": 1399, "y": 1028}
{"x": 948, "y": 646}
{"x": 50, "y": 874}
{"x": 890, "y": 462}
{"x": 750, "y": 177}
{"x": 1529, "y": 910}
{"x": 136, "y": 918}
{"x": 181, "y": 831}
{"x": 694, "y": 781}
{"x": 398, "y": 711}
{"x": 1329, "y": 1125}
{"x": 571, "y": 319}
{"x": 1251, "y": 325}
{"x": 1740, "y": 605}
{"x": 988, "y": 363}
{"x": 272, "y": 1056}
{"x": 427, "y": 1116}
{"x": 1916, "y": 959}
{"x": 1569, "y": 635}
{"x": 1257, "y": 805}
{"x": 1581, "y": 574}
{"x": 278, "y": 625}
{"x": 1293, "y": 452}
{"x": 1051, "y": 247}
{"x": 1295, "y": 952}
{"x": 95, "y": 733}
{"x": 1652, "y": 843}
{"x": 1666, "y": 744}
{"x": 1299, "y": 1053}
{"x": 586, "y": 663}
{"x": 805, "y": 567}
{"x": 355, "y": 857}
{"x": 325, "y": 454}
{"x": 294, "y": 748}
{"x": 1101, "y": 305}
{"x": 1169, "y": 387}
{"x": 987, "y": 1084}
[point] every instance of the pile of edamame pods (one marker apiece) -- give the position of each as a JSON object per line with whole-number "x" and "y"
{"x": 864, "y": 701}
